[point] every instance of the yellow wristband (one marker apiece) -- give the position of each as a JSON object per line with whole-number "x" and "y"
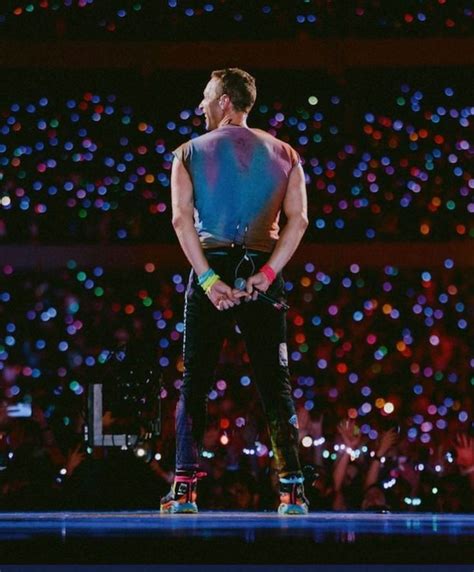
{"x": 209, "y": 283}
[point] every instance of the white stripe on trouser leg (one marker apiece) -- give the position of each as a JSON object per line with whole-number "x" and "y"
{"x": 283, "y": 354}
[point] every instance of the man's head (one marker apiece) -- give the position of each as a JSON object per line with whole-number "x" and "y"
{"x": 229, "y": 92}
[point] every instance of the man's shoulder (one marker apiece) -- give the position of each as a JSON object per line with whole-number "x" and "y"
{"x": 186, "y": 149}
{"x": 268, "y": 137}
{"x": 276, "y": 143}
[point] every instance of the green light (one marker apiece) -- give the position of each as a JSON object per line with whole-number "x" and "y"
{"x": 126, "y": 120}
{"x": 401, "y": 100}
{"x": 317, "y": 138}
{"x": 137, "y": 7}
{"x": 74, "y": 385}
{"x": 313, "y": 100}
{"x": 438, "y": 375}
{"x": 81, "y": 276}
{"x": 29, "y": 8}
{"x": 360, "y": 283}
{"x": 451, "y": 205}
{"x": 98, "y": 291}
{"x": 66, "y": 421}
{"x": 53, "y": 123}
{"x": 147, "y": 301}
{"x": 303, "y": 348}
{"x": 263, "y": 109}
{"x": 83, "y": 213}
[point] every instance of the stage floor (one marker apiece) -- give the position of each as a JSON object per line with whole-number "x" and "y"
{"x": 235, "y": 538}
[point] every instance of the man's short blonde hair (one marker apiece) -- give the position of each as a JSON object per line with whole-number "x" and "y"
{"x": 239, "y": 86}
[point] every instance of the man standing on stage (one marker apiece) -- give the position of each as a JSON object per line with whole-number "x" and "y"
{"x": 228, "y": 188}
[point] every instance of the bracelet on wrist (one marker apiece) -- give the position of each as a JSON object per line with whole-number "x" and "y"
{"x": 269, "y": 272}
{"x": 205, "y": 275}
{"x": 207, "y": 279}
{"x": 209, "y": 283}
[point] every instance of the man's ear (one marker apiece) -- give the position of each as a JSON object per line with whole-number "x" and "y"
{"x": 224, "y": 99}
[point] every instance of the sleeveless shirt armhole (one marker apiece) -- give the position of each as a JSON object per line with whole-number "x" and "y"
{"x": 182, "y": 153}
{"x": 295, "y": 158}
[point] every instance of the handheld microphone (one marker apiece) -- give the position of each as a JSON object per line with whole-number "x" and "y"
{"x": 241, "y": 283}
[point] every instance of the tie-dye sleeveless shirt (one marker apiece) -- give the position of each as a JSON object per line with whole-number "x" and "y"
{"x": 240, "y": 177}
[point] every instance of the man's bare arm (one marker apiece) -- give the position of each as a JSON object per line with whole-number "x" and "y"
{"x": 182, "y": 203}
{"x": 296, "y": 210}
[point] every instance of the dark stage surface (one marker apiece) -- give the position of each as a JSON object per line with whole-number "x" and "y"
{"x": 235, "y": 537}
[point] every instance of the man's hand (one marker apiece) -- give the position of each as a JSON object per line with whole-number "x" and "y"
{"x": 222, "y": 296}
{"x": 464, "y": 446}
{"x": 350, "y": 433}
{"x": 387, "y": 441}
{"x": 256, "y": 282}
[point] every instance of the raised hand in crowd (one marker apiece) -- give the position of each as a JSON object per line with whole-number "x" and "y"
{"x": 351, "y": 439}
{"x": 464, "y": 446}
{"x": 386, "y": 442}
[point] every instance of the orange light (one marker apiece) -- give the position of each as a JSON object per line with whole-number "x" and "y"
{"x": 379, "y": 402}
{"x": 129, "y": 309}
{"x": 424, "y": 229}
{"x": 352, "y": 413}
{"x": 401, "y": 346}
{"x": 149, "y": 178}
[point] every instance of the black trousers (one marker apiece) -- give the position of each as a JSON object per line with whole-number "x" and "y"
{"x": 264, "y": 331}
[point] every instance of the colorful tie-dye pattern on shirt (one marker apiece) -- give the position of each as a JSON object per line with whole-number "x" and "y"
{"x": 240, "y": 176}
